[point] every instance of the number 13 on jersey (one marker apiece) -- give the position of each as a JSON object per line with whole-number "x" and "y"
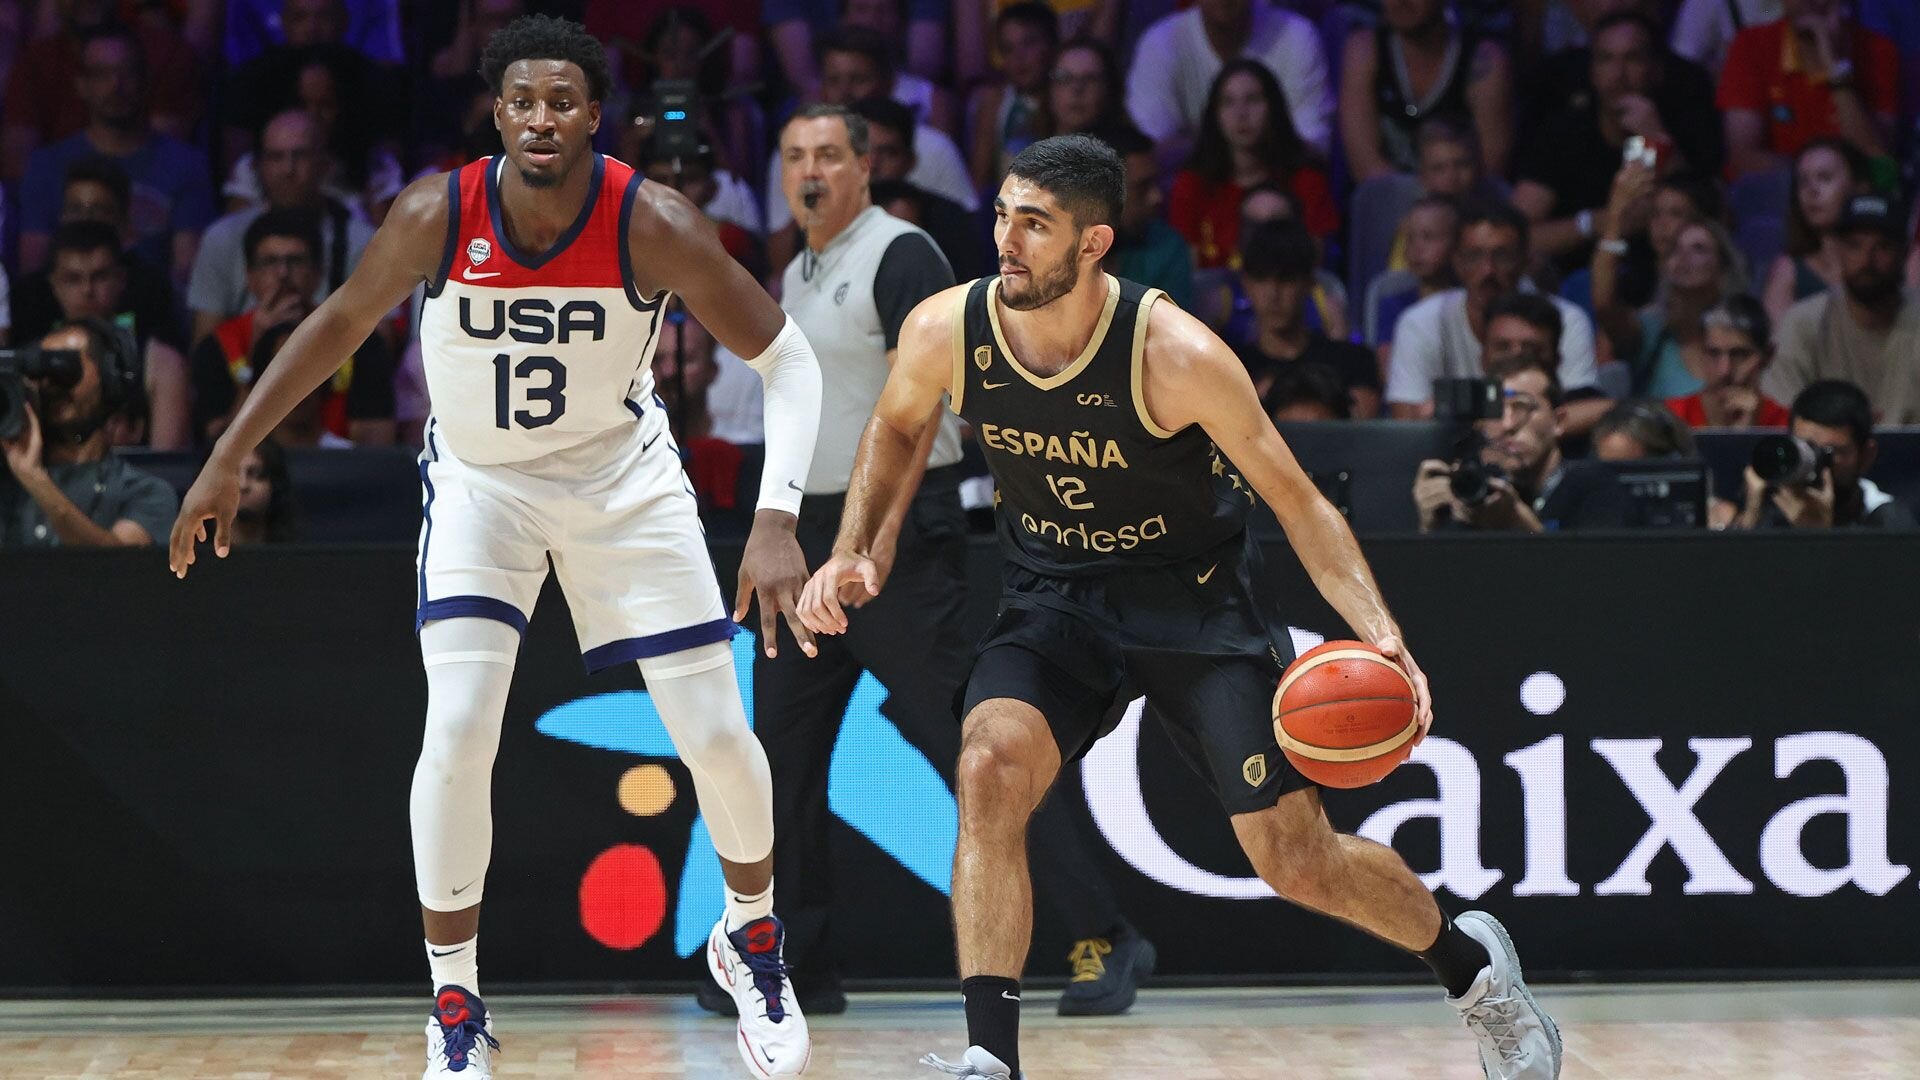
{"x": 552, "y": 394}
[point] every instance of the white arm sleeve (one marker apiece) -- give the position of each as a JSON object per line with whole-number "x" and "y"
{"x": 791, "y": 375}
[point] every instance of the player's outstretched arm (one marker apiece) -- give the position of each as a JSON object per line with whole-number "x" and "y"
{"x": 1193, "y": 378}
{"x": 676, "y": 249}
{"x": 922, "y": 372}
{"x": 405, "y": 251}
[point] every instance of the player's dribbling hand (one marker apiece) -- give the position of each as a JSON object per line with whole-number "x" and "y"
{"x": 820, "y": 606}
{"x": 773, "y": 567}
{"x": 1391, "y": 648}
{"x": 214, "y": 496}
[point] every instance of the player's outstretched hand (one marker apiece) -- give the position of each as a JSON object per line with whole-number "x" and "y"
{"x": 1392, "y": 649}
{"x": 773, "y": 567}
{"x": 820, "y": 606}
{"x": 214, "y": 496}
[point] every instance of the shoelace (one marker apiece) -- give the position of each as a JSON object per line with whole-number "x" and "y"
{"x": 457, "y": 1042}
{"x": 960, "y": 1069}
{"x": 1089, "y": 958}
{"x": 769, "y": 978}
{"x": 1494, "y": 1019}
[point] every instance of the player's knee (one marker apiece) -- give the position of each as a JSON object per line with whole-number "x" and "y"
{"x": 1292, "y": 846}
{"x": 719, "y": 749}
{"x": 458, "y": 739}
{"x": 997, "y": 779}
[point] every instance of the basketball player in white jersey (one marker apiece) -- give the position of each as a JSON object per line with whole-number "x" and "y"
{"x": 547, "y": 271}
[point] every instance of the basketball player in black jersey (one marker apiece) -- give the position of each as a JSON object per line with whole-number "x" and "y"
{"x": 1127, "y": 446}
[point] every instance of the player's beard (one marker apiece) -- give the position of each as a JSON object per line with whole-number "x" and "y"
{"x": 1043, "y": 288}
{"x": 540, "y": 179}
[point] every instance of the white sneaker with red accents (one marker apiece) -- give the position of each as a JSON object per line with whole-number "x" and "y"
{"x": 746, "y": 963}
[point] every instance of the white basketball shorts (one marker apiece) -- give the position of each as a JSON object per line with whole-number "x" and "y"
{"x": 615, "y": 515}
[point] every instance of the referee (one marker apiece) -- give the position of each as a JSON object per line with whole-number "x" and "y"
{"x": 850, "y": 289}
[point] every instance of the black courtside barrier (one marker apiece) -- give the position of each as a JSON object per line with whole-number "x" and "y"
{"x": 1653, "y": 754}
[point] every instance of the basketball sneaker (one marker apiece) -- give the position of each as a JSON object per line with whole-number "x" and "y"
{"x": 460, "y": 1040}
{"x": 1518, "y": 1040}
{"x": 1107, "y": 973}
{"x": 746, "y": 963}
{"x": 976, "y": 1063}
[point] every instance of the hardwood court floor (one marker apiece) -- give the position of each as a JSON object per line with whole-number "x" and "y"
{"x": 1775, "y": 1031}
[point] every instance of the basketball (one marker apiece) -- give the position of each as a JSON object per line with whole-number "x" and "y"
{"x": 1345, "y": 715}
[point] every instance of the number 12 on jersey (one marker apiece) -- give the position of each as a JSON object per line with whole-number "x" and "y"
{"x": 553, "y": 395}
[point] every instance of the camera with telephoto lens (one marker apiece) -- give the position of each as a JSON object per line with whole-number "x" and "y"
{"x": 1786, "y": 461}
{"x": 1465, "y": 402}
{"x": 62, "y": 367}
{"x": 1472, "y": 480}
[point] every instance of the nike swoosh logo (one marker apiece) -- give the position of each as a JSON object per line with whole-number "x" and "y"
{"x": 795, "y": 486}
{"x": 648, "y": 445}
{"x": 764, "y": 1054}
{"x": 469, "y": 275}
{"x": 1202, "y": 579}
{"x": 463, "y": 888}
{"x": 1009, "y": 997}
{"x": 437, "y": 953}
{"x": 991, "y": 385}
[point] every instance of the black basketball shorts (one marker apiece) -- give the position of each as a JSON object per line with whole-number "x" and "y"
{"x": 1194, "y": 639}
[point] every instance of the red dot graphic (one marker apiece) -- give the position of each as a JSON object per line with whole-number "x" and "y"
{"x": 623, "y": 897}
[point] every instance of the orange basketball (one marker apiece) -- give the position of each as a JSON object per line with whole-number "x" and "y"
{"x": 1345, "y": 715}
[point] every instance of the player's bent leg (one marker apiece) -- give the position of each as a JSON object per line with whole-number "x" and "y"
{"x": 699, "y": 702}
{"x": 1367, "y": 885}
{"x": 469, "y": 666}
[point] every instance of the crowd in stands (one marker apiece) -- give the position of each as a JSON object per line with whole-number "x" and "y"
{"x": 1639, "y": 217}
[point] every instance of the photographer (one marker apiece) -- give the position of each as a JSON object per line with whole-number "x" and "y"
{"x": 1827, "y": 490}
{"x": 1517, "y": 480}
{"x": 62, "y": 486}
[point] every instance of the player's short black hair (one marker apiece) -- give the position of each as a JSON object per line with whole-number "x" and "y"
{"x": 887, "y": 113}
{"x": 82, "y": 237}
{"x": 1280, "y": 250}
{"x": 544, "y": 37}
{"x": 1535, "y": 310}
{"x": 1315, "y": 383}
{"x": 302, "y": 225}
{"x": 856, "y": 124}
{"x": 1836, "y": 404}
{"x": 104, "y": 171}
{"x": 1478, "y": 211}
{"x": 1082, "y": 174}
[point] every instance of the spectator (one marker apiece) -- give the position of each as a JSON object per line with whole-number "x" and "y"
{"x": 1815, "y": 72}
{"x": 1006, "y": 116}
{"x": 1447, "y": 161}
{"x": 1145, "y": 248}
{"x": 89, "y": 281}
{"x": 1246, "y": 139}
{"x": 1222, "y": 303}
{"x": 1083, "y": 90}
{"x": 1413, "y": 67}
{"x": 172, "y": 197}
{"x": 1827, "y": 172}
{"x": 956, "y": 232}
{"x": 1834, "y": 416}
{"x": 1305, "y": 393}
{"x": 974, "y": 21}
{"x": 96, "y": 190}
{"x": 1540, "y": 490}
{"x": 676, "y": 46}
{"x": 1663, "y": 342}
{"x": 700, "y": 181}
{"x": 1736, "y": 352}
{"x": 856, "y": 66}
{"x": 1868, "y": 331}
{"x": 1428, "y": 237}
{"x": 1180, "y": 57}
{"x": 291, "y": 163}
{"x": 683, "y": 374}
{"x": 341, "y": 92}
{"x": 64, "y": 487}
{"x": 915, "y": 85}
{"x": 1638, "y": 430}
{"x": 1442, "y": 336}
{"x": 40, "y": 110}
{"x": 1277, "y": 271}
{"x": 1646, "y": 212}
{"x": 1703, "y": 30}
{"x": 1899, "y": 22}
{"x": 794, "y": 27}
{"x": 370, "y": 27}
{"x": 355, "y": 407}
{"x": 1565, "y": 170}
{"x": 265, "y": 513}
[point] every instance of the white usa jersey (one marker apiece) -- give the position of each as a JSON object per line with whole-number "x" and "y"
{"x": 527, "y": 355}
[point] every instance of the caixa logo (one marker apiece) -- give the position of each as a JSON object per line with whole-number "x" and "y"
{"x": 1114, "y": 797}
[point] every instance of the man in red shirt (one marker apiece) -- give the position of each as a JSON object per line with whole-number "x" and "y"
{"x": 1815, "y": 72}
{"x": 1738, "y": 345}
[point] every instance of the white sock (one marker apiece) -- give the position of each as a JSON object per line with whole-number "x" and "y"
{"x": 455, "y": 965}
{"x": 742, "y": 910}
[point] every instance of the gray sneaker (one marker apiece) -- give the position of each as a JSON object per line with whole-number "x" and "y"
{"x": 975, "y": 1063}
{"x": 1518, "y": 1040}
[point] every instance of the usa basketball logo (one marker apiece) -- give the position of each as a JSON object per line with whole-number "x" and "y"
{"x": 478, "y": 250}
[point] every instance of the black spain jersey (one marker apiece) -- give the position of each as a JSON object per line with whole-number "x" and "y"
{"x": 1085, "y": 482}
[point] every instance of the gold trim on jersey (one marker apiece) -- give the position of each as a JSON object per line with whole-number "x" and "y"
{"x": 1066, "y": 374}
{"x": 1140, "y": 319}
{"x": 959, "y": 388}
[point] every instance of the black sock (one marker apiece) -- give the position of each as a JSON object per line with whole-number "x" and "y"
{"x": 993, "y": 1017}
{"x": 1455, "y": 958}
